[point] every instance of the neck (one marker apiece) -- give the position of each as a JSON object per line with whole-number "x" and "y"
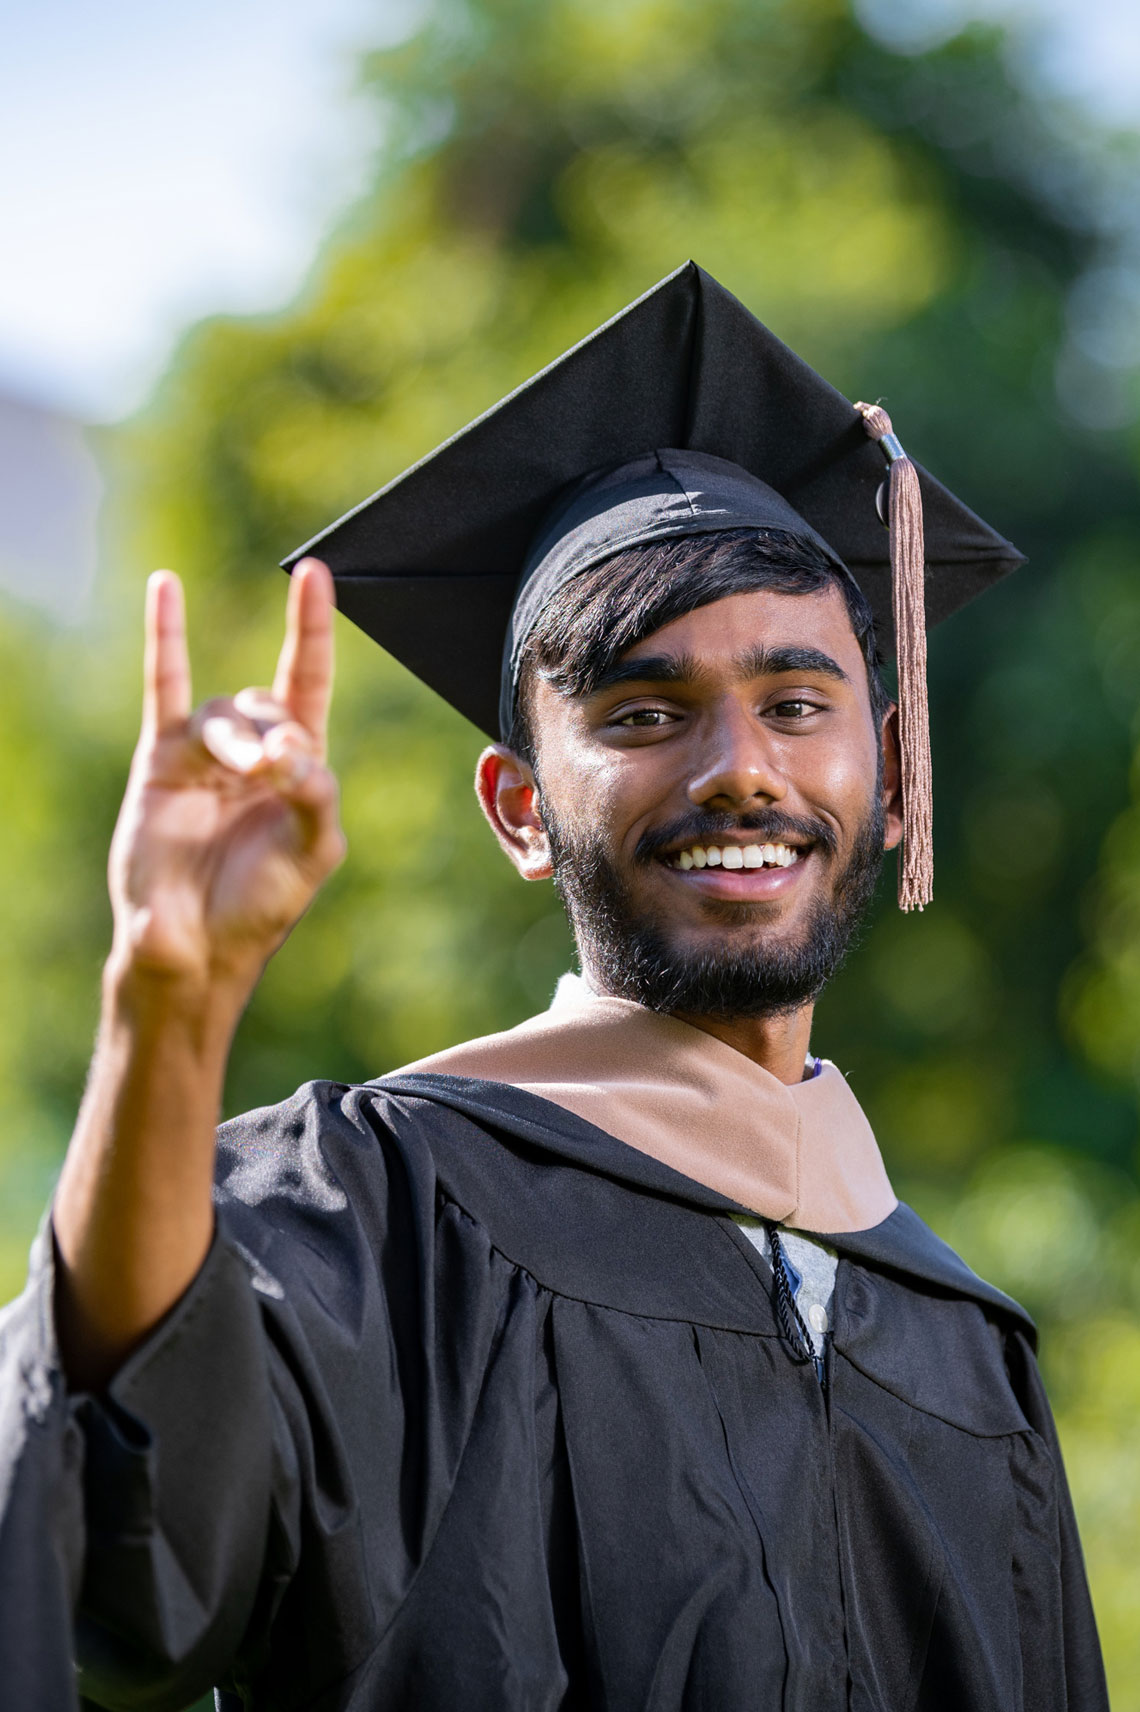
{"x": 778, "y": 1044}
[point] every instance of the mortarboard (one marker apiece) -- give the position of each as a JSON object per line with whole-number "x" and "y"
{"x": 681, "y": 415}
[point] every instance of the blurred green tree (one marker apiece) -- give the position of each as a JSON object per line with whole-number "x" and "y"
{"x": 923, "y": 230}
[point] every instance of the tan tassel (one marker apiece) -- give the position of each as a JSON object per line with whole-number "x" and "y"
{"x": 908, "y": 570}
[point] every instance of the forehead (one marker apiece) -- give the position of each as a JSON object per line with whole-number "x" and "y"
{"x": 739, "y": 624}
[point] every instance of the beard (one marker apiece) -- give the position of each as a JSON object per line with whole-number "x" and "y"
{"x": 634, "y": 954}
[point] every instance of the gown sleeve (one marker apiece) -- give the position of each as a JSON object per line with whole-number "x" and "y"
{"x": 150, "y": 1534}
{"x": 93, "y": 1505}
{"x": 145, "y": 1510}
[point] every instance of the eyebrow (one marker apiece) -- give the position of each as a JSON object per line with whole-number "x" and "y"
{"x": 758, "y": 662}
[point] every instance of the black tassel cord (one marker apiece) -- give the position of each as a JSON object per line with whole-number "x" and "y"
{"x": 792, "y": 1328}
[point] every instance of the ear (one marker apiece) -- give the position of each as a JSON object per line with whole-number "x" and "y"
{"x": 508, "y": 796}
{"x": 892, "y": 779}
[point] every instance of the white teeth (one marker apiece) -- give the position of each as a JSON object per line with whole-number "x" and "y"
{"x": 734, "y": 856}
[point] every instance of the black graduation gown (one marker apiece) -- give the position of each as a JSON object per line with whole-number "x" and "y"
{"x": 473, "y": 1408}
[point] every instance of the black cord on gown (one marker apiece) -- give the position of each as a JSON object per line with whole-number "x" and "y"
{"x": 792, "y": 1327}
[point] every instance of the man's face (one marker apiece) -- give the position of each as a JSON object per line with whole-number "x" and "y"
{"x": 739, "y": 733}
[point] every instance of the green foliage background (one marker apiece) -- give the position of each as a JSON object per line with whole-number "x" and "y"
{"x": 923, "y": 231}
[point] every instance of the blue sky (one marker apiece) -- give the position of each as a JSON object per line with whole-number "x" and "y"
{"x": 158, "y": 163}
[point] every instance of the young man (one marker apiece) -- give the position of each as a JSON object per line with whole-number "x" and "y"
{"x": 595, "y": 1363}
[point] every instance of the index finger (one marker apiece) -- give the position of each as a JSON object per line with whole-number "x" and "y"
{"x": 303, "y": 681}
{"x": 166, "y": 660}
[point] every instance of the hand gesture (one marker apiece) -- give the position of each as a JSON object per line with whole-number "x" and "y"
{"x": 230, "y": 820}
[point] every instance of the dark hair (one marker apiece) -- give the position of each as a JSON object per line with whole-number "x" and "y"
{"x": 600, "y": 614}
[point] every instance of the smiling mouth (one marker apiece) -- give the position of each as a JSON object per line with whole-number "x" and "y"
{"x": 732, "y": 856}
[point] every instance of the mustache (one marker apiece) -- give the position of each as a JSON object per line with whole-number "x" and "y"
{"x": 770, "y": 825}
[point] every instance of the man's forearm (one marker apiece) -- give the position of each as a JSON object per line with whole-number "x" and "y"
{"x": 133, "y": 1214}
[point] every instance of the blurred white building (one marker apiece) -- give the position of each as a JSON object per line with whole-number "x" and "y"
{"x": 50, "y": 489}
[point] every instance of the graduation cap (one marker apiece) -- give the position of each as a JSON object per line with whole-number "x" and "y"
{"x": 681, "y": 415}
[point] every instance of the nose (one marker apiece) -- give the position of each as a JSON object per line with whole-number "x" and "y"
{"x": 738, "y": 767}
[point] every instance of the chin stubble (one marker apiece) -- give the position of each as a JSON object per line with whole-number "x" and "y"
{"x": 633, "y": 955}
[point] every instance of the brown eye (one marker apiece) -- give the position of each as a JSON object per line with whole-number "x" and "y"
{"x": 643, "y": 718}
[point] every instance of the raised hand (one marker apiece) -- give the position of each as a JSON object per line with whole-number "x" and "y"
{"x": 228, "y": 827}
{"x": 230, "y": 820}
